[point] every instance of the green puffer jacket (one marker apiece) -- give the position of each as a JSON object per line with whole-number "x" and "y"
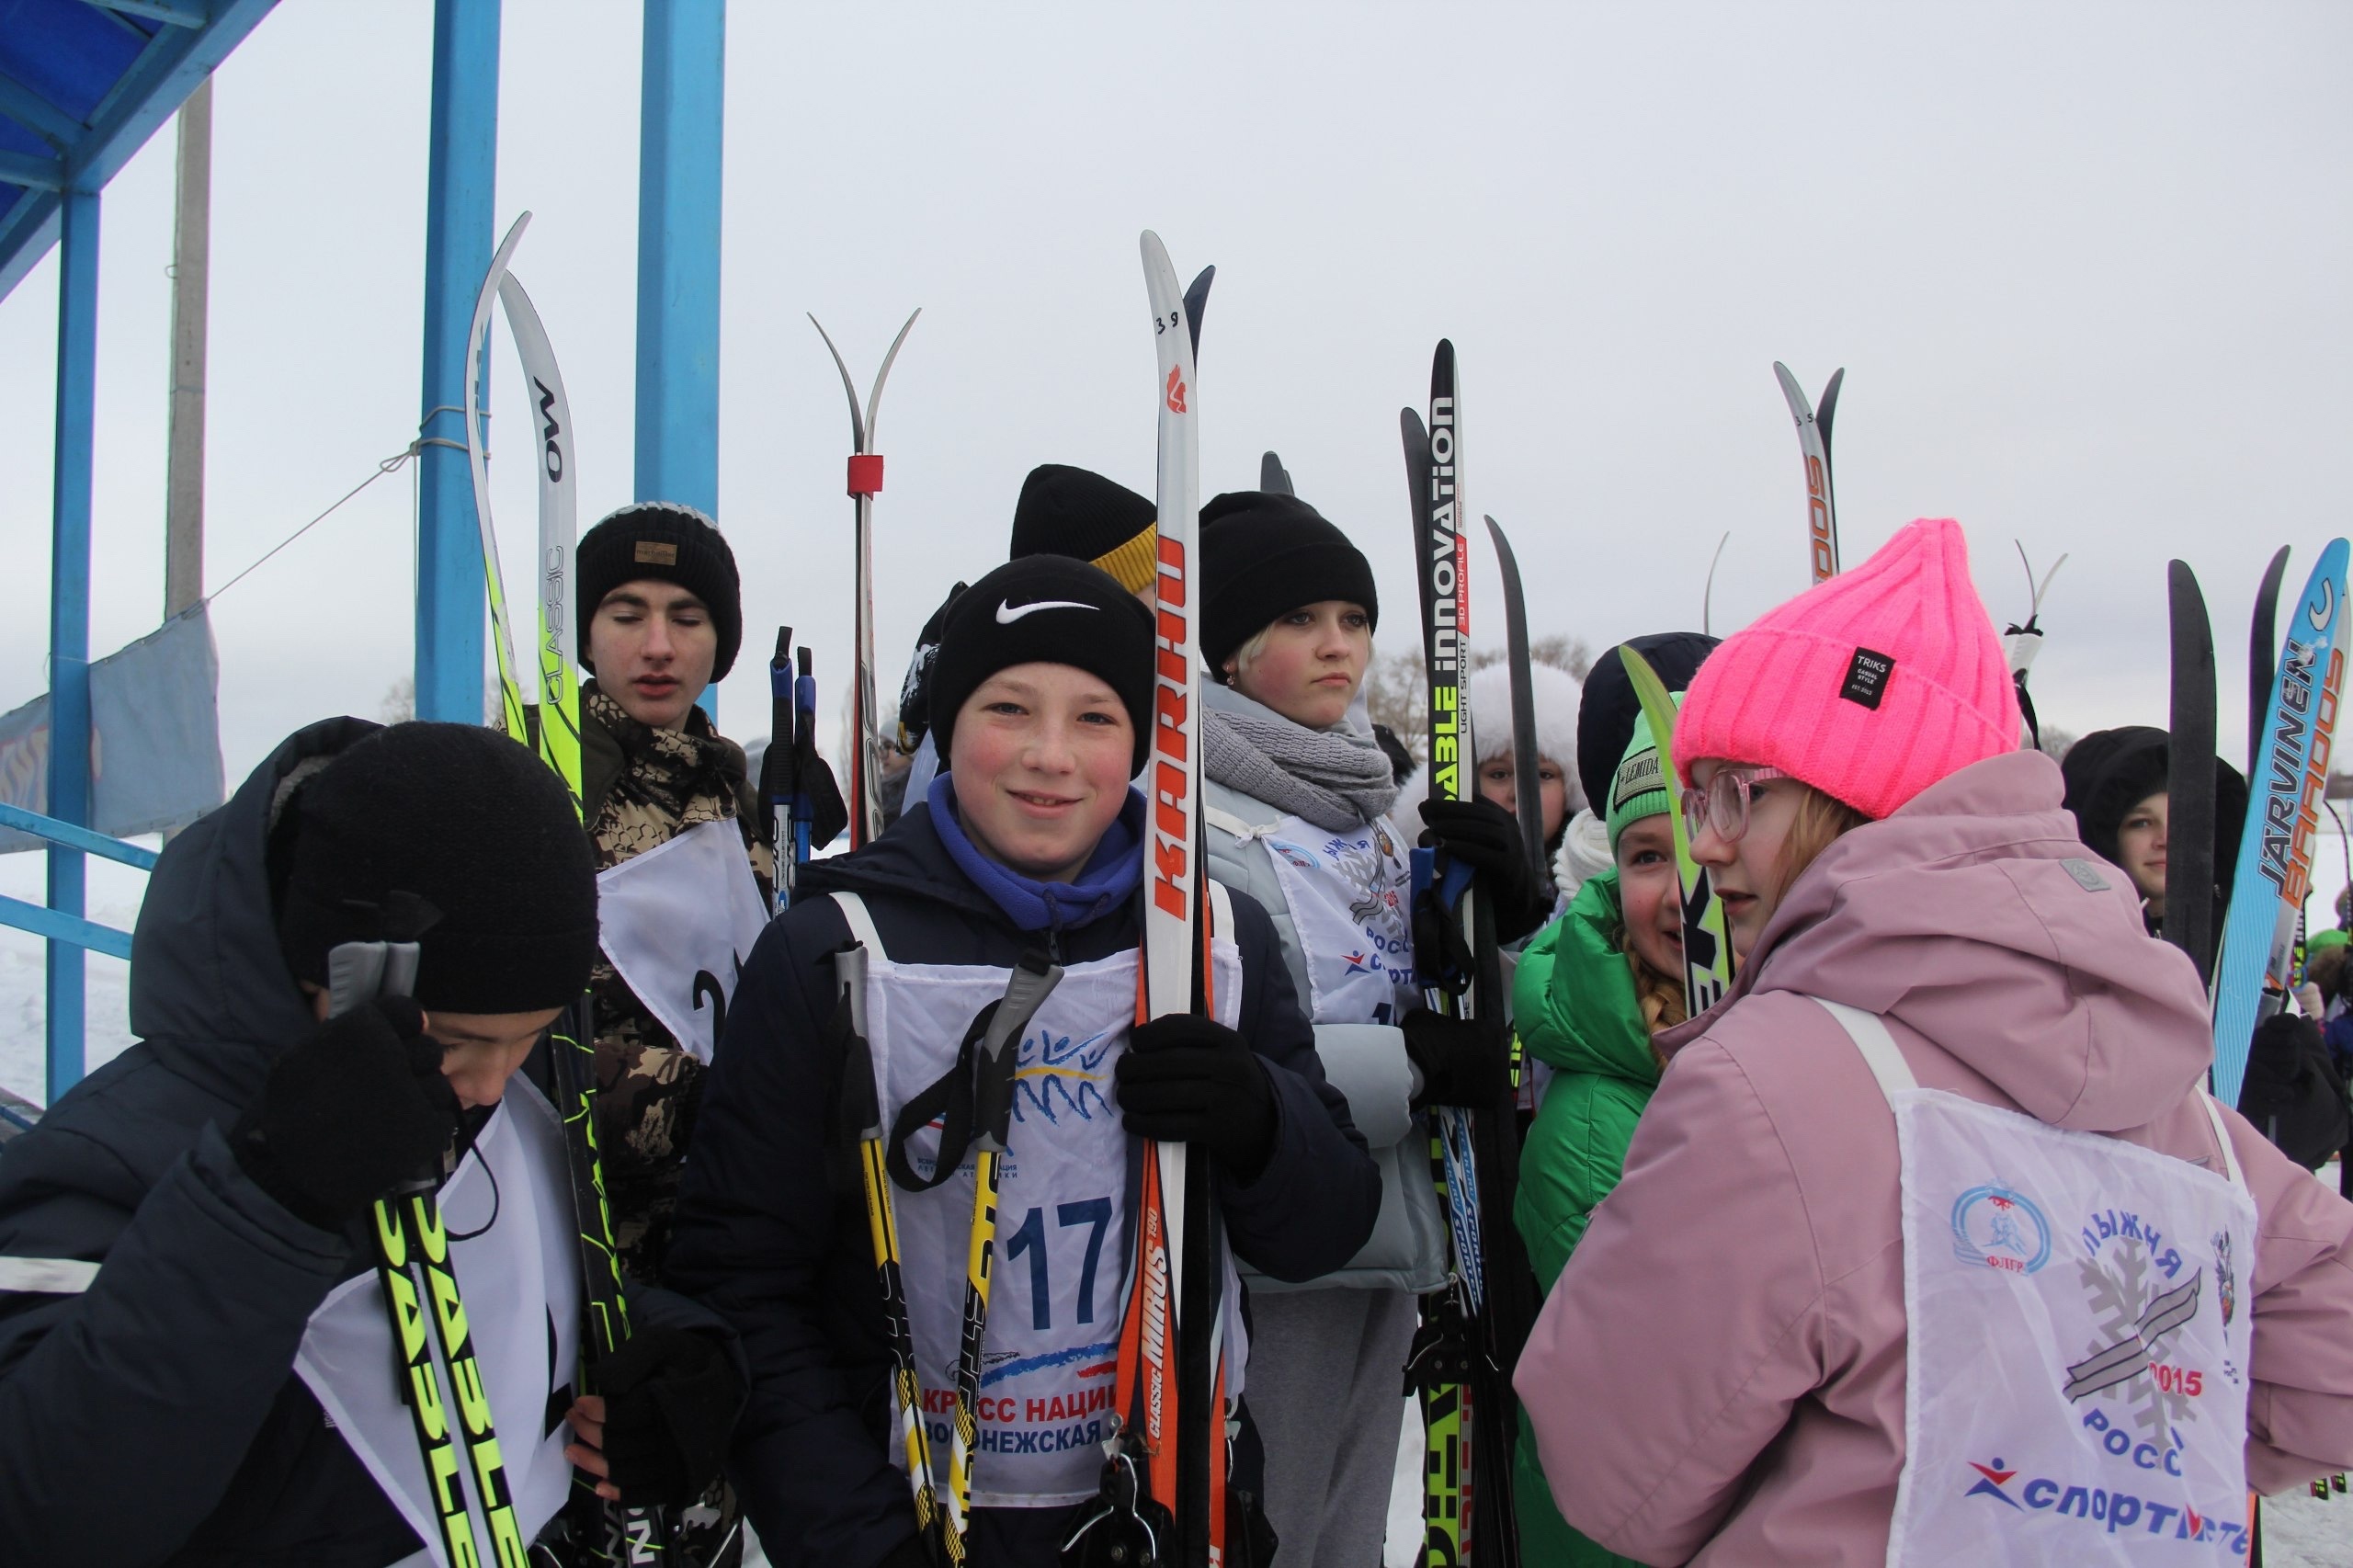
{"x": 1574, "y": 1003}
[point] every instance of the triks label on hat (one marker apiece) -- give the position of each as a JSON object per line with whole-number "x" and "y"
{"x": 1867, "y": 676}
{"x": 656, "y": 553}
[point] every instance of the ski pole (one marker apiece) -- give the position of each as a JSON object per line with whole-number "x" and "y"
{"x": 804, "y": 757}
{"x": 779, "y": 788}
{"x": 1034, "y": 979}
{"x": 862, "y": 1113}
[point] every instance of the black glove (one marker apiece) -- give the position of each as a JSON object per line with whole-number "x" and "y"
{"x": 915, "y": 691}
{"x": 1463, "y": 1061}
{"x": 828, "y": 814}
{"x": 1485, "y": 837}
{"x": 671, "y": 1400}
{"x": 1189, "y": 1080}
{"x": 350, "y": 1113}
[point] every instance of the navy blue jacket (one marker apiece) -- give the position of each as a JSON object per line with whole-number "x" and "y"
{"x": 772, "y": 1228}
{"x": 155, "y": 1417}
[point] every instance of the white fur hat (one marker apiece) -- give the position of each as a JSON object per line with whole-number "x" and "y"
{"x": 1556, "y": 693}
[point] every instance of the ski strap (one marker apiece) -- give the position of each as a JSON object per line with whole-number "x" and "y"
{"x": 967, "y": 1098}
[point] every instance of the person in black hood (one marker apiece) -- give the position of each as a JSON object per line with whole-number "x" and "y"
{"x": 2116, "y": 787}
{"x": 1031, "y": 842}
{"x": 197, "y": 1364}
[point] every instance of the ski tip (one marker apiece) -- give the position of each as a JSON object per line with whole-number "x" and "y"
{"x": 1418, "y": 436}
{"x": 783, "y": 645}
{"x": 1829, "y": 404}
{"x": 1791, "y": 391}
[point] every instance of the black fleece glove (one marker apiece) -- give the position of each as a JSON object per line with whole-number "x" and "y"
{"x": 671, "y": 1400}
{"x": 828, "y": 812}
{"x": 1189, "y": 1080}
{"x": 1485, "y": 837}
{"x": 1463, "y": 1061}
{"x": 350, "y": 1113}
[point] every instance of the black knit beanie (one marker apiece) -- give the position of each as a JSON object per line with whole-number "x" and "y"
{"x": 456, "y": 837}
{"x": 1263, "y": 555}
{"x": 1045, "y": 610}
{"x": 1607, "y": 712}
{"x": 1068, "y": 511}
{"x": 670, "y": 542}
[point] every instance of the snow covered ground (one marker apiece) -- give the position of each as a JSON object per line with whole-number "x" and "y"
{"x": 114, "y": 896}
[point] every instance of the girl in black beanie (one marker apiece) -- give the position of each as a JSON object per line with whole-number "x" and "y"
{"x": 1297, "y": 802}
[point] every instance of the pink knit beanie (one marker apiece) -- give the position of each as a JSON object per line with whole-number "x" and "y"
{"x": 1869, "y": 686}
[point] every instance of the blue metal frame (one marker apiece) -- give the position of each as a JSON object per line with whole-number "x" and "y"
{"x": 460, "y": 188}
{"x": 81, "y": 838}
{"x": 69, "y": 617}
{"x": 87, "y": 155}
{"x": 73, "y": 933}
{"x": 682, "y": 117}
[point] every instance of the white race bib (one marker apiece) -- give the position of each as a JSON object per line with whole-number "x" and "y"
{"x": 1050, "y": 1356}
{"x": 2076, "y": 1385}
{"x": 678, "y": 923}
{"x": 519, "y": 1276}
{"x": 1347, "y": 893}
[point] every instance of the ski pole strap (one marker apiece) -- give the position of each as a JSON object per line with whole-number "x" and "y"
{"x": 973, "y": 1099}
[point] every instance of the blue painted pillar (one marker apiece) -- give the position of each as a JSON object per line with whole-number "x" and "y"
{"x": 682, "y": 114}
{"x": 69, "y": 614}
{"x": 461, "y": 174}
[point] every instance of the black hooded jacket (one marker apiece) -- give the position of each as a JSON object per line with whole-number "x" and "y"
{"x": 2110, "y": 771}
{"x": 772, "y": 1228}
{"x": 155, "y": 1418}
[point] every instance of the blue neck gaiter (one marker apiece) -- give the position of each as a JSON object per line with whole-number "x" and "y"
{"x": 1110, "y": 875}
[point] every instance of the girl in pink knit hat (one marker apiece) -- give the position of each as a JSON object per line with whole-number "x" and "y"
{"x": 1930, "y": 1245}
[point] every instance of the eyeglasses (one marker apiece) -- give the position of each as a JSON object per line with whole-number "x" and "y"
{"x": 1723, "y": 803}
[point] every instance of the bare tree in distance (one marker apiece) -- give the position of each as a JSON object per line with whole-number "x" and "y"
{"x": 1396, "y": 688}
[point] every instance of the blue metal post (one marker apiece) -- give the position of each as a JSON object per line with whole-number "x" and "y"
{"x": 69, "y": 614}
{"x": 682, "y": 116}
{"x": 461, "y": 171}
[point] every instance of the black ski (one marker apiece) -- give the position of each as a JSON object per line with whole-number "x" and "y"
{"x": 1527, "y": 799}
{"x": 2189, "y": 781}
{"x": 2260, "y": 643}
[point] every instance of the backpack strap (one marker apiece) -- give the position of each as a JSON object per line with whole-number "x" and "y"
{"x": 860, "y": 921}
{"x": 1871, "y": 1037}
{"x": 2223, "y": 1136}
{"x": 1220, "y": 910}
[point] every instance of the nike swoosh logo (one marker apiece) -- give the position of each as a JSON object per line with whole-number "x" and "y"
{"x": 1008, "y": 614}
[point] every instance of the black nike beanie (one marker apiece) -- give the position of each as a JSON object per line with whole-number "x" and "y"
{"x": 1045, "y": 610}
{"x": 455, "y": 838}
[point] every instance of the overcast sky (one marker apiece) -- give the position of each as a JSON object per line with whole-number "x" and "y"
{"x": 2087, "y": 267}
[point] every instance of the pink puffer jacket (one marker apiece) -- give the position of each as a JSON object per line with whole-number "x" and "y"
{"x": 1718, "y": 1376}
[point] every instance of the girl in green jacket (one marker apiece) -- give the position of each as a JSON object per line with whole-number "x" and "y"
{"x": 1590, "y": 993}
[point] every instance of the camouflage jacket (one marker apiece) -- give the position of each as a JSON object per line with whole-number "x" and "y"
{"x": 641, "y": 788}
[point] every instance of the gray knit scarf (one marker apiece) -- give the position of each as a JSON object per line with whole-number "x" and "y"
{"x": 1335, "y": 779}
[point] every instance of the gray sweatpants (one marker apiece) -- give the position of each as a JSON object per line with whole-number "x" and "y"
{"x": 1325, "y": 1368}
